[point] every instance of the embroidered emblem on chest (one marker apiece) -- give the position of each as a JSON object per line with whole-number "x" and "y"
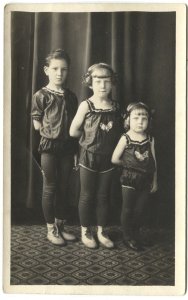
{"x": 106, "y": 127}
{"x": 142, "y": 156}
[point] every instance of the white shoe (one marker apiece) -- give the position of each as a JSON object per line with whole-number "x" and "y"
{"x": 68, "y": 236}
{"x": 65, "y": 235}
{"x": 87, "y": 238}
{"x": 54, "y": 236}
{"x": 104, "y": 239}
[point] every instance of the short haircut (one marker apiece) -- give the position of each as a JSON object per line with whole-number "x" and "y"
{"x": 87, "y": 78}
{"x": 57, "y": 54}
{"x": 133, "y": 106}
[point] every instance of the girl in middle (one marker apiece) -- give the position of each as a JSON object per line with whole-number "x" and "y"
{"x": 98, "y": 125}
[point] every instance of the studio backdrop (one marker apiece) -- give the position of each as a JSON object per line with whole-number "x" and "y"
{"x": 140, "y": 46}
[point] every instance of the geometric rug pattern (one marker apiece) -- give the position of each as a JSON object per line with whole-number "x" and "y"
{"x": 35, "y": 261}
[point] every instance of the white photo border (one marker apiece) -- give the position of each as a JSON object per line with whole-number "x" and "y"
{"x": 180, "y": 150}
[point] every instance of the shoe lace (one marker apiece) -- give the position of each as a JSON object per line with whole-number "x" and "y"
{"x": 56, "y": 231}
{"x": 88, "y": 234}
{"x": 133, "y": 242}
{"x": 104, "y": 235}
{"x": 60, "y": 225}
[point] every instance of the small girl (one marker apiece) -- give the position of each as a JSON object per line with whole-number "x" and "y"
{"x": 97, "y": 123}
{"x": 135, "y": 152}
{"x": 53, "y": 110}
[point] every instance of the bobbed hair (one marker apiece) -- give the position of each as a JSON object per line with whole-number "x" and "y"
{"x": 87, "y": 78}
{"x": 137, "y": 105}
{"x": 57, "y": 54}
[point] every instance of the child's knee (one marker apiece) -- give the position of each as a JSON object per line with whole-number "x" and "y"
{"x": 85, "y": 198}
{"x": 48, "y": 180}
{"x": 102, "y": 200}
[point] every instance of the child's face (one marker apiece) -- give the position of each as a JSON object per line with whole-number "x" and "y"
{"x": 139, "y": 120}
{"x": 57, "y": 72}
{"x": 101, "y": 82}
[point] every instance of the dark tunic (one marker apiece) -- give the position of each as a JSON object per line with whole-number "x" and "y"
{"x": 101, "y": 129}
{"x": 138, "y": 164}
{"x": 55, "y": 111}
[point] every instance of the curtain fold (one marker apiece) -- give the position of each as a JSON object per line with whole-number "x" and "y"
{"x": 140, "y": 46}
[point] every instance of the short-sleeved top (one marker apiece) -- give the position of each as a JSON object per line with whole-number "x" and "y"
{"x": 137, "y": 156}
{"x": 55, "y": 110}
{"x": 101, "y": 129}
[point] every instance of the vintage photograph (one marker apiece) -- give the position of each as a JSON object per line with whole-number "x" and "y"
{"x": 94, "y": 149}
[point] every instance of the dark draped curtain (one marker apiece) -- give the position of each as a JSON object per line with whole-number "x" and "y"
{"x": 140, "y": 46}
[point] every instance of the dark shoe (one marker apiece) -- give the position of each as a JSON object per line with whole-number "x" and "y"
{"x": 146, "y": 243}
{"x": 65, "y": 235}
{"x": 105, "y": 240}
{"x": 132, "y": 244}
{"x": 54, "y": 236}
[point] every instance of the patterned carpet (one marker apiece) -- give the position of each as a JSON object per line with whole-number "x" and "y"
{"x": 35, "y": 261}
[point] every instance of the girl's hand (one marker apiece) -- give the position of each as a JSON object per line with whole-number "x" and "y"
{"x": 76, "y": 165}
{"x": 37, "y": 124}
{"x": 154, "y": 187}
{"x": 117, "y": 154}
{"x": 75, "y": 128}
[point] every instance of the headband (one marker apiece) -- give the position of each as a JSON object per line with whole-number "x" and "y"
{"x": 138, "y": 105}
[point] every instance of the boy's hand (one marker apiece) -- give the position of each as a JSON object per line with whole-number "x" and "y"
{"x": 76, "y": 165}
{"x": 154, "y": 187}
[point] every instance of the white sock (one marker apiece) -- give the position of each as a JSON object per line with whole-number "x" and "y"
{"x": 83, "y": 229}
{"x": 50, "y": 227}
{"x": 100, "y": 230}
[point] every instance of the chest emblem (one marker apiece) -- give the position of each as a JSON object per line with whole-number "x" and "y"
{"x": 106, "y": 127}
{"x": 141, "y": 157}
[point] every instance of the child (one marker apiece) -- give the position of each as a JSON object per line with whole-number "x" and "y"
{"x": 53, "y": 110}
{"x": 136, "y": 154}
{"x": 97, "y": 123}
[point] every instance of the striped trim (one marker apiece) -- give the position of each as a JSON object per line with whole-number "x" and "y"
{"x": 87, "y": 168}
{"x": 137, "y": 142}
{"x": 94, "y": 171}
{"x": 89, "y": 105}
{"x": 92, "y": 107}
{"x": 129, "y": 187}
{"x": 54, "y": 92}
{"x": 107, "y": 170}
